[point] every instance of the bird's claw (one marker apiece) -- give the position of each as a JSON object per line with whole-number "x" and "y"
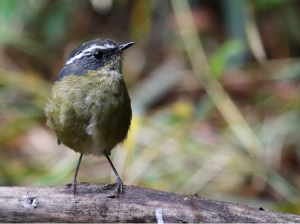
{"x": 119, "y": 189}
{"x": 119, "y": 185}
{"x": 74, "y": 184}
{"x": 68, "y": 185}
{"x": 107, "y": 186}
{"x": 84, "y": 183}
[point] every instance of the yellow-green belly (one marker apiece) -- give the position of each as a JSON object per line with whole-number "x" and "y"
{"x": 90, "y": 114}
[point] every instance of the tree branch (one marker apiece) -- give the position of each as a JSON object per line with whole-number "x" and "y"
{"x": 96, "y": 204}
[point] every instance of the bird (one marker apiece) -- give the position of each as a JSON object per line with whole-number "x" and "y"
{"x": 90, "y": 108}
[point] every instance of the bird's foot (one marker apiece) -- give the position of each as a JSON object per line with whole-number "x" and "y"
{"x": 119, "y": 185}
{"x": 74, "y": 183}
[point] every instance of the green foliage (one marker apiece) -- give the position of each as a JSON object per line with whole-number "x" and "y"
{"x": 22, "y": 100}
{"x": 220, "y": 60}
{"x": 269, "y": 4}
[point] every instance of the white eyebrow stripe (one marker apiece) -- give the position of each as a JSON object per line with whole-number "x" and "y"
{"x": 109, "y": 45}
{"x": 89, "y": 50}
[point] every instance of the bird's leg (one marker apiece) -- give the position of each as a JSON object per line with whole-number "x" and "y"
{"x": 119, "y": 182}
{"x": 74, "y": 182}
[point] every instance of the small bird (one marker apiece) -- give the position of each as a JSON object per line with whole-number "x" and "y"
{"x": 90, "y": 109}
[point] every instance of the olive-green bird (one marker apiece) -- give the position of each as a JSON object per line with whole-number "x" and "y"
{"x": 90, "y": 109}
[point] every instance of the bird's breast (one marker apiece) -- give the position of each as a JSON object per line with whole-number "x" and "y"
{"x": 90, "y": 113}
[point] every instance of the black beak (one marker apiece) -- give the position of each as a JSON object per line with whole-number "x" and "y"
{"x": 124, "y": 46}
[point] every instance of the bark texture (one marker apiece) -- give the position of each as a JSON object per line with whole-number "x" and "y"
{"x": 96, "y": 204}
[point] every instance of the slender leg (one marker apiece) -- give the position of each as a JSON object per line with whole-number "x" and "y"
{"x": 74, "y": 182}
{"x": 118, "y": 181}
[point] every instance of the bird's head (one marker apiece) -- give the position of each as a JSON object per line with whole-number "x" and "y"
{"x": 94, "y": 55}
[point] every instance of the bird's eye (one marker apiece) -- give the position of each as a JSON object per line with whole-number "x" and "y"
{"x": 98, "y": 55}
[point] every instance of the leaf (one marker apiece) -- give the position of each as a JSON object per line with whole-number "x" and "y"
{"x": 219, "y": 60}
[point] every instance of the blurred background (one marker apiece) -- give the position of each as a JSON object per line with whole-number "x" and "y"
{"x": 214, "y": 87}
